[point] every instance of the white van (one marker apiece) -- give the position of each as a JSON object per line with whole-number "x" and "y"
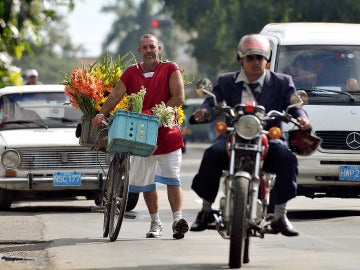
{"x": 324, "y": 60}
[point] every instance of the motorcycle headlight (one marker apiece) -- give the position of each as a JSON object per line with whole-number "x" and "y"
{"x": 10, "y": 159}
{"x": 248, "y": 127}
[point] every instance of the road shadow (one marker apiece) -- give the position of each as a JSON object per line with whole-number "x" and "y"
{"x": 57, "y": 204}
{"x": 55, "y": 209}
{"x": 22, "y": 245}
{"x": 321, "y": 214}
{"x": 173, "y": 267}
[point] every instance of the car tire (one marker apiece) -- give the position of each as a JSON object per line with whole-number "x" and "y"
{"x": 98, "y": 199}
{"x": 132, "y": 201}
{"x": 6, "y": 198}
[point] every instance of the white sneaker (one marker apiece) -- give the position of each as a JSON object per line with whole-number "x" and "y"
{"x": 156, "y": 230}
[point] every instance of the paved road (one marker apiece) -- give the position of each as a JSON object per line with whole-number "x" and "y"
{"x": 67, "y": 235}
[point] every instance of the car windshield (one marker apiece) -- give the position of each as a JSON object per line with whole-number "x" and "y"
{"x": 37, "y": 110}
{"x": 330, "y": 74}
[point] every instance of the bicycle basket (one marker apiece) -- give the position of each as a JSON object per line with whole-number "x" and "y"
{"x": 133, "y": 133}
{"x": 91, "y": 136}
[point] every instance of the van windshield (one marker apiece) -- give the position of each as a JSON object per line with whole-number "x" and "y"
{"x": 326, "y": 67}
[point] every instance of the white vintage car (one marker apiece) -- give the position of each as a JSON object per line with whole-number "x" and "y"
{"x": 40, "y": 155}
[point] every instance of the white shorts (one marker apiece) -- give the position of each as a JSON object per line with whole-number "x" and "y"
{"x": 164, "y": 169}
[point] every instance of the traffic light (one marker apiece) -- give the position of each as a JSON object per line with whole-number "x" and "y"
{"x": 160, "y": 23}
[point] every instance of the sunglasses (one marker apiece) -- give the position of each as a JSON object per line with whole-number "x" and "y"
{"x": 253, "y": 57}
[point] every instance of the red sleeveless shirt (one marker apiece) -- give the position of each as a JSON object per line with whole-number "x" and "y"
{"x": 157, "y": 90}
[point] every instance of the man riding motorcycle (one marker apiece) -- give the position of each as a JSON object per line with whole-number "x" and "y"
{"x": 271, "y": 90}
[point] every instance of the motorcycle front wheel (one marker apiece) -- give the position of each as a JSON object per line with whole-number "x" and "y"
{"x": 238, "y": 231}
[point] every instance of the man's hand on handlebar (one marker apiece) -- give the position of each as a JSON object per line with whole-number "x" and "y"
{"x": 304, "y": 123}
{"x": 200, "y": 115}
{"x": 99, "y": 119}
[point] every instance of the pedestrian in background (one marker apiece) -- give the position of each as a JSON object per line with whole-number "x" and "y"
{"x": 32, "y": 77}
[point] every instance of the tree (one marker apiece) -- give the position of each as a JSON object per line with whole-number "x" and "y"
{"x": 20, "y": 27}
{"x": 133, "y": 20}
{"x": 217, "y": 25}
{"x": 55, "y": 55}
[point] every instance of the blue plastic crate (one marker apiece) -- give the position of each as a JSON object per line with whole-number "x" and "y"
{"x": 133, "y": 133}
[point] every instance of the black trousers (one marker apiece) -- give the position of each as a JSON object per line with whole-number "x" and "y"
{"x": 280, "y": 161}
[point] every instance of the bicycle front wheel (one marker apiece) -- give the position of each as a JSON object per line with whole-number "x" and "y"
{"x": 120, "y": 192}
{"x": 106, "y": 196}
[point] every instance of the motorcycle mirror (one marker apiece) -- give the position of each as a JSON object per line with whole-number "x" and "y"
{"x": 303, "y": 95}
{"x": 299, "y": 98}
{"x": 203, "y": 87}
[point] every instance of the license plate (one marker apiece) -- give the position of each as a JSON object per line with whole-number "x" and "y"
{"x": 350, "y": 173}
{"x": 67, "y": 179}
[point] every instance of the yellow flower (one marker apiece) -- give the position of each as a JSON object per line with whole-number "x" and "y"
{"x": 122, "y": 105}
{"x": 180, "y": 113}
{"x": 118, "y": 73}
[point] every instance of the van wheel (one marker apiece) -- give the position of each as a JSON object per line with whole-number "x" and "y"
{"x": 132, "y": 201}
{"x": 6, "y": 198}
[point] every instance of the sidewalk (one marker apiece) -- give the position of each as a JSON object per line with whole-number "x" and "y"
{"x": 21, "y": 243}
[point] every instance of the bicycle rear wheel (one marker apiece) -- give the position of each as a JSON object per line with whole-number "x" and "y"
{"x": 106, "y": 196}
{"x": 120, "y": 192}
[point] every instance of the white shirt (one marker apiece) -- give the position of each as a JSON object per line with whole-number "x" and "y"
{"x": 247, "y": 95}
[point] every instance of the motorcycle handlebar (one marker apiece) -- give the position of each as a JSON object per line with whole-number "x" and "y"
{"x": 285, "y": 117}
{"x": 230, "y": 112}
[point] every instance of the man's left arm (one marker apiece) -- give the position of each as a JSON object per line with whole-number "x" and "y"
{"x": 177, "y": 92}
{"x": 301, "y": 116}
{"x": 298, "y": 113}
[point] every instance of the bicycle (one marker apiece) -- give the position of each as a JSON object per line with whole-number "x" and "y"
{"x": 128, "y": 134}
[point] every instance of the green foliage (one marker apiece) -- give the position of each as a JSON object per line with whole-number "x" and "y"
{"x": 214, "y": 26}
{"x": 217, "y": 25}
{"x": 132, "y": 21}
{"x": 20, "y": 25}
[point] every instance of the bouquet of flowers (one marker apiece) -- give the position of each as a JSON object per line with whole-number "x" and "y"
{"x": 169, "y": 116}
{"x": 88, "y": 88}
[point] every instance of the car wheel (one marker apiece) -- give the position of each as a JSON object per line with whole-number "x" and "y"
{"x": 132, "y": 201}
{"x": 6, "y": 198}
{"x": 98, "y": 199}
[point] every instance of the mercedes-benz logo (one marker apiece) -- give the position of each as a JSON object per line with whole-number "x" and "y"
{"x": 353, "y": 140}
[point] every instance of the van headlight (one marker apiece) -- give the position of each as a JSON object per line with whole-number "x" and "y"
{"x": 10, "y": 159}
{"x": 248, "y": 127}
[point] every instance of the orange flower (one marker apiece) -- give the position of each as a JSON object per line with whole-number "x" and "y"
{"x": 89, "y": 88}
{"x": 84, "y": 89}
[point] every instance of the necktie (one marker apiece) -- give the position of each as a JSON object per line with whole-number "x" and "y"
{"x": 253, "y": 86}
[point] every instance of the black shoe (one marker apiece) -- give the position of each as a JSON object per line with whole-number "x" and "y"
{"x": 283, "y": 226}
{"x": 180, "y": 227}
{"x": 204, "y": 220}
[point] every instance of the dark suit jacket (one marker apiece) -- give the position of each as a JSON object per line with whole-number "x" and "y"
{"x": 275, "y": 94}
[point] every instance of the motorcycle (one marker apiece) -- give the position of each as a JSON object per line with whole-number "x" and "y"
{"x": 243, "y": 208}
